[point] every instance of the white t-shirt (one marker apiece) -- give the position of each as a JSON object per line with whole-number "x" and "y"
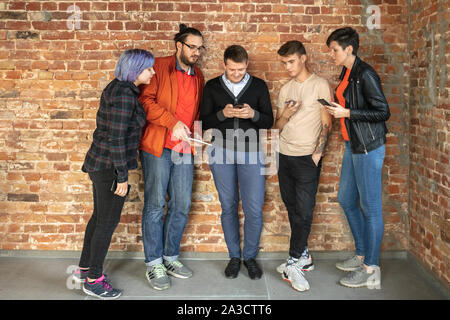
{"x": 300, "y": 134}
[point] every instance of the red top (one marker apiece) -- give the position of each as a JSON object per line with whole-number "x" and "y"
{"x": 185, "y": 110}
{"x": 340, "y": 96}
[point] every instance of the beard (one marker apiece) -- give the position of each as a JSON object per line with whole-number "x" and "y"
{"x": 188, "y": 60}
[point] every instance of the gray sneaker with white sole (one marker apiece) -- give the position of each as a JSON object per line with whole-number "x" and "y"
{"x": 294, "y": 275}
{"x": 361, "y": 278}
{"x": 352, "y": 264}
{"x": 157, "y": 277}
{"x": 177, "y": 269}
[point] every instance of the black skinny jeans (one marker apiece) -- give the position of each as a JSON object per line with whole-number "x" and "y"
{"x": 298, "y": 178}
{"x": 104, "y": 220}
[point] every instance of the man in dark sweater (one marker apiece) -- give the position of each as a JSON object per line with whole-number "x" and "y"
{"x": 236, "y": 105}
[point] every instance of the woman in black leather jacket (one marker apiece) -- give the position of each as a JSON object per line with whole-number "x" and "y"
{"x": 362, "y": 110}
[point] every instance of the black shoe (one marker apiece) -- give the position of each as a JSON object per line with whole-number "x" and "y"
{"x": 254, "y": 271}
{"x": 232, "y": 269}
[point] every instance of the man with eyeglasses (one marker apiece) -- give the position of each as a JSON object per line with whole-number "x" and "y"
{"x": 171, "y": 102}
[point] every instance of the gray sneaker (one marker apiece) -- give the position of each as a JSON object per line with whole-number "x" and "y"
{"x": 360, "y": 278}
{"x": 101, "y": 289}
{"x": 294, "y": 275}
{"x": 157, "y": 277}
{"x": 177, "y": 269}
{"x": 351, "y": 264}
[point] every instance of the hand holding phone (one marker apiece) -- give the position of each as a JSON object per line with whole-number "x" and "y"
{"x": 325, "y": 103}
{"x": 335, "y": 109}
{"x": 292, "y": 107}
{"x": 246, "y": 112}
{"x": 229, "y": 111}
{"x": 290, "y": 101}
{"x": 181, "y": 131}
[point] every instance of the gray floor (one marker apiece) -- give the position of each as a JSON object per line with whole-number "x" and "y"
{"x": 48, "y": 277}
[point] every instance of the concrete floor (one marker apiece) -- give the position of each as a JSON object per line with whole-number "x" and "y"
{"x": 43, "y": 276}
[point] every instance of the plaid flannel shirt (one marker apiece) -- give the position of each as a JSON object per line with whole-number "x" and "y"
{"x": 120, "y": 119}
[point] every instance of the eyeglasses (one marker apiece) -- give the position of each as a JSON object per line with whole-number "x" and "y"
{"x": 194, "y": 48}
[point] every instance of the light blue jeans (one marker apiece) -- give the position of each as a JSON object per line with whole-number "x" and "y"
{"x": 360, "y": 185}
{"x": 165, "y": 176}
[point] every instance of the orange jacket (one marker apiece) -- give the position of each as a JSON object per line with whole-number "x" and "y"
{"x": 159, "y": 99}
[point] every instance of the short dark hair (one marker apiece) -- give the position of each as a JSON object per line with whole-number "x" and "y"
{"x": 236, "y": 53}
{"x": 291, "y": 47}
{"x": 345, "y": 37}
{"x": 184, "y": 32}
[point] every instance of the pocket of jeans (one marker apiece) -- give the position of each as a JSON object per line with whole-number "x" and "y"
{"x": 312, "y": 161}
{"x": 381, "y": 151}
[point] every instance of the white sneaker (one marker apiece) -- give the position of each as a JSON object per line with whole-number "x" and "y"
{"x": 295, "y": 276}
{"x": 305, "y": 264}
{"x": 282, "y": 267}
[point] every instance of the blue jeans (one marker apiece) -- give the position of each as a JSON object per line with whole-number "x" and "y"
{"x": 242, "y": 173}
{"x": 360, "y": 184}
{"x": 165, "y": 176}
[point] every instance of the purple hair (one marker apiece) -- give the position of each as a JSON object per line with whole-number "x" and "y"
{"x": 132, "y": 62}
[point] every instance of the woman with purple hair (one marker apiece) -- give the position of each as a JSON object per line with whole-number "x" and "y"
{"x": 120, "y": 119}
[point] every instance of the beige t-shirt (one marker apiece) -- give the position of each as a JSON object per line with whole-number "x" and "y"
{"x": 301, "y": 133}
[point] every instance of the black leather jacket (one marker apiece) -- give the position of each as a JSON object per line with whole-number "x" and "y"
{"x": 369, "y": 109}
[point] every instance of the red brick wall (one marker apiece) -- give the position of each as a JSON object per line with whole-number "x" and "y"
{"x": 51, "y": 79}
{"x": 430, "y": 136}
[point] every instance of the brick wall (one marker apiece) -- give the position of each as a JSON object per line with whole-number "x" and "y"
{"x": 430, "y": 136}
{"x": 51, "y": 79}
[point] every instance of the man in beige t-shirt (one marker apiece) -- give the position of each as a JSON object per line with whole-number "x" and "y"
{"x": 304, "y": 126}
